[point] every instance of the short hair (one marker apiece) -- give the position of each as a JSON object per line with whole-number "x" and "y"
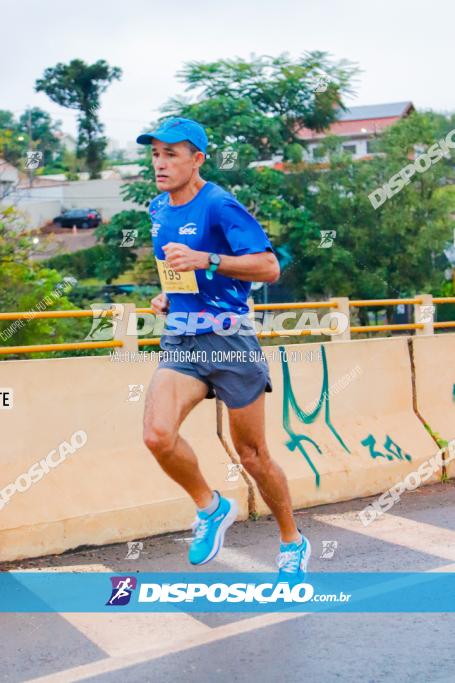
{"x": 193, "y": 149}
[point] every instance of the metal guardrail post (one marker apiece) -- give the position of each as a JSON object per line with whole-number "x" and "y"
{"x": 125, "y": 326}
{"x": 424, "y": 314}
{"x": 342, "y": 306}
{"x": 250, "y": 303}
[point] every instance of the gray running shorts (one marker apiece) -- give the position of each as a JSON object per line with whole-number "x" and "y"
{"x": 233, "y": 366}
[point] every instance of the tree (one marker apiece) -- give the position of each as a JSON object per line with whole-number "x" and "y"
{"x": 128, "y": 228}
{"x": 15, "y": 138}
{"x": 79, "y": 86}
{"x": 43, "y": 132}
{"x": 255, "y": 108}
{"x": 13, "y": 144}
{"x": 384, "y": 253}
{"x": 258, "y": 107}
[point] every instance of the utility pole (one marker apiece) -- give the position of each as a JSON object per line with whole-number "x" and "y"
{"x": 29, "y": 118}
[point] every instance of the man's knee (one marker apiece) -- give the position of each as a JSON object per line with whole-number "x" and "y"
{"x": 159, "y": 439}
{"x": 253, "y": 456}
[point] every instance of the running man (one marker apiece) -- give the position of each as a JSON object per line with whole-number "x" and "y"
{"x": 209, "y": 249}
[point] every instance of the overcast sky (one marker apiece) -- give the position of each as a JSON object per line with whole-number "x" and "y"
{"x": 405, "y": 48}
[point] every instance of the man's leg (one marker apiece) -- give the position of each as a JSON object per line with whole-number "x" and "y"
{"x": 170, "y": 397}
{"x": 247, "y": 427}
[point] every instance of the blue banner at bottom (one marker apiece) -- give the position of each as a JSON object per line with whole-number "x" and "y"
{"x": 226, "y": 592}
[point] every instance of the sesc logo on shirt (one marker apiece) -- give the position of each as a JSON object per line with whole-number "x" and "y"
{"x": 188, "y": 229}
{"x": 155, "y": 228}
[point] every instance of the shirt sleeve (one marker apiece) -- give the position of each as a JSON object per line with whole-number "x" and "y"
{"x": 242, "y": 231}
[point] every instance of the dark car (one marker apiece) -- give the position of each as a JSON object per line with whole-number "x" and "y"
{"x": 81, "y": 218}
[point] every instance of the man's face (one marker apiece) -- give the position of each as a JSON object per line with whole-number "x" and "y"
{"x": 174, "y": 164}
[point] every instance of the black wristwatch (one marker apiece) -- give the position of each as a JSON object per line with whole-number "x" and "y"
{"x": 214, "y": 262}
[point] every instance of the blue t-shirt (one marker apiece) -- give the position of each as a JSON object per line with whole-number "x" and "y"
{"x": 213, "y": 221}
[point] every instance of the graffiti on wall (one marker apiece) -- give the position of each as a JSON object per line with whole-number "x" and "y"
{"x": 301, "y": 442}
{"x": 392, "y": 448}
{"x": 308, "y": 447}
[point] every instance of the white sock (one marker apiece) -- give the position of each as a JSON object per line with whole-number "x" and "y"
{"x": 212, "y": 506}
{"x": 289, "y": 542}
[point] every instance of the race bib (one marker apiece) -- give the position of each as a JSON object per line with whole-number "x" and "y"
{"x": 176, "y": 283}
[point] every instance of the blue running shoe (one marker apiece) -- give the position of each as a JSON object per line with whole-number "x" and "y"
{"x": 209, "y": 531}
{"x": 292, "y": 561}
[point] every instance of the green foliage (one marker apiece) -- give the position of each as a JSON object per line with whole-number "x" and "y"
{"x": 111, "y": 234}
{"x": 101, "y": 261}
{"x": 66, "y": 162}
{"x": 80, "y": 264}
{"x": 13, "y": 145}
{"x": 270, "y": 95}
{"x": 446, "y": 312}
{"x": 108, "y": 260}
{"x": 15, "y": 136}
{"x": 43, "y": 131}
{"x": 442, "y": 443}
{"x": 257, "y": 106}
{"x": 145, "y": 271}
{"x": 141, "y": 191}
{"x": 29, "y": 287}
{"x": 387, "y": 253}
{"x": 121, "y": 258}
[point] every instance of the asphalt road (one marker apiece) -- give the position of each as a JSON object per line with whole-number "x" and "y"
{"x": 418, "y": 534}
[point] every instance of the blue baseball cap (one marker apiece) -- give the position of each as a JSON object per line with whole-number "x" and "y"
{"x": 177, "y": 130}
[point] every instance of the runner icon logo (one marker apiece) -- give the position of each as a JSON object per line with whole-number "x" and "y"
{"x": 122, "y": 587}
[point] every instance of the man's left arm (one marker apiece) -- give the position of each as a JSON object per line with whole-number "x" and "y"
{"x": 252, "y": 257}
{"x": 262, "y": 267}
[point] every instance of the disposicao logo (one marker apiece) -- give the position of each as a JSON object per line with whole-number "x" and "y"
{"x": 222, "y": 592}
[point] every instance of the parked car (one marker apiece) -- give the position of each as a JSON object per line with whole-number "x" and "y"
{"x": 81, "y": 218}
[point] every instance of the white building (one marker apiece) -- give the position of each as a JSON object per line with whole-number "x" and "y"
{"x": 9, "y": 178}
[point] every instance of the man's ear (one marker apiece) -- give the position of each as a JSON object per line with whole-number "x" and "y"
{"x": 200, "y": 158}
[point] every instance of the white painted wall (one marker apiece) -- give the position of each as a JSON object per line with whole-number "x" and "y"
{"x": 42, "y": 204}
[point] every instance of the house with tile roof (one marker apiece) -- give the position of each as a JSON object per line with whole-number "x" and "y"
{"x": 358, "y": 127}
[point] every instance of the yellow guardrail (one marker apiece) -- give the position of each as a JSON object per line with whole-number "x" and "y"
{"x": 295, "y": 306}
{"x": 24, "y": 315}
{"x": 38, "y": 348}
{"x": 447, "y": 323}
{"x": 154, "y": 341}
{"x": 383, "y": 302}
{"x": 444, "y": 300}
{"x": 380, "y": 328}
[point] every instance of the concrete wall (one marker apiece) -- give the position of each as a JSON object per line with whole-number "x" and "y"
{"x": 103, "y": 195}
{"x": 109, "y": 490}
{"x": 434, "y": 360}
{"x": 38, "y": 213}
{"x": 41, "y": 204}
{"x": 365, "y": 437}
